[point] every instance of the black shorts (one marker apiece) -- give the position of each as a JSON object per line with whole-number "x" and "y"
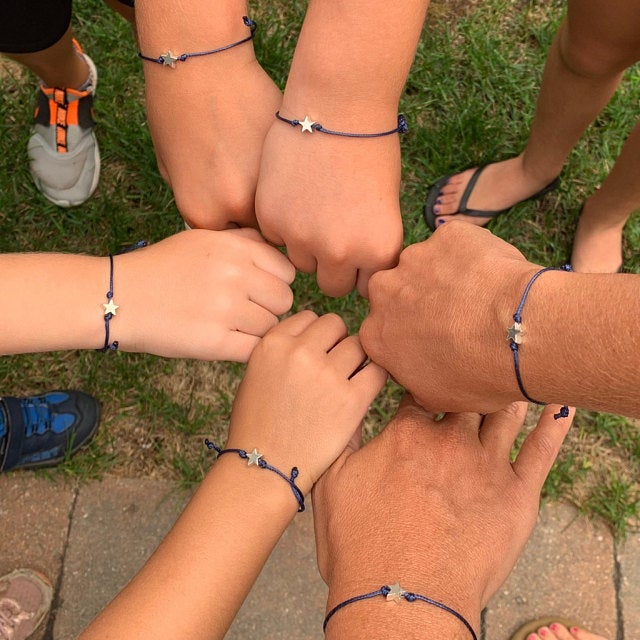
{"x": 33, "y": 25}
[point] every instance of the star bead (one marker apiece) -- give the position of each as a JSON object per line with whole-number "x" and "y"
{"x": 254, "y": 457}
{"x": 307, "y": 124}
{"x": 168, "y": 59}
{"x": 395, "y": 592}
{"x": 110, "y": 307}
{"x": 515, "y": 333}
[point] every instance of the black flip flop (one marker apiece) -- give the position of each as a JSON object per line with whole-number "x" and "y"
{"x": 434, "y": 192}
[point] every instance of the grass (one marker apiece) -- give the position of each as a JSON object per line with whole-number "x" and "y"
{"x": 469, "y": 99}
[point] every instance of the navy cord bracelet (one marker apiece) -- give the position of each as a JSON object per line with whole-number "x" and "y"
{"x": 309, "y": 125}
{"x": 169, "y": 60}
{"x": 514, "y": 335}
{"x": 256, "y": 458}
{"x": 110, "y": 307}
{"x": 394, "y": 593}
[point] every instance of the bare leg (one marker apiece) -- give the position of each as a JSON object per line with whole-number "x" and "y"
{"x": 595, "y": 43}
{"x": 58, "y": 65}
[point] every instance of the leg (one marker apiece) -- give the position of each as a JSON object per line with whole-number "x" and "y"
{"x": 595, "y": 43}
{"x": 597, "y": 247}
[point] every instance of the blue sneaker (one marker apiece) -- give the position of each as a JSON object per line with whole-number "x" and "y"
{"x": 41, "y": 431}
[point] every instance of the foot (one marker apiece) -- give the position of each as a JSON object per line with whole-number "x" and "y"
{"x": 25, "y": 600}
{"x": 63, "y": 150}
{"x": 501, "y": 186}
{"x": 40, "y": 431}
{"x": 557, "y": 631}
{"x": 597, "y": 246}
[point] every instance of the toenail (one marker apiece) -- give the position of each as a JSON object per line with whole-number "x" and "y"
{"x": 436, "y": 210}
{"x": 553, "y": 627}
{"x": 543, "y": 632}
{"x": 439, "y": 222}
{"x": 531, "y": 637}
{"x": 438, "y": 201}
{"x": 574, "y": 629}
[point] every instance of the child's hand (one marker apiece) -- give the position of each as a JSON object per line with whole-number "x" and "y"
{"x": 299, "y": 402}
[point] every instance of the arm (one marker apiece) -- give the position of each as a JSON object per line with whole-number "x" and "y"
{"x": 446, "y": 309}
{"x": 209, "y": 115}
{"x": 195, "y": 582}
{"x": 435, "y": 500}
{"x": 334, "y": 201}
{"x": 200, "y": 294}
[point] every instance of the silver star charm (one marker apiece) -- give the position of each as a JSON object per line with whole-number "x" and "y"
{"x": 168, "y": 59}
{"x": 515, "y": 333}
{"x": 307, "y": 124}
{"x": 254, "y": 456}
{"x": 396, "y": 592}
{"x": 110, "y": 307}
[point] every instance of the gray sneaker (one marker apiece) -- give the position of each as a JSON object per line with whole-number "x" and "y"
{"x": 63, "y": 150}
{"x": 25, "y": 600}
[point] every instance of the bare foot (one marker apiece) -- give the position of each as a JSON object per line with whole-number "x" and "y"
{"x": 557, "y": 631}
{"x": 597, "y": 246}
{"x": 501, "y": 186}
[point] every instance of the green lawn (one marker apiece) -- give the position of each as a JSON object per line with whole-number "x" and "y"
{"x": 469, "y": 100}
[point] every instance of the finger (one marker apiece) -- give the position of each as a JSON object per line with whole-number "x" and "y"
{"x": 326, "y": 331}
{"x": 355, "y": 442}
{"x": 467, "y": 421}
{"x": 301, "y": 259}
{"x": 255, "y": 320}
{"x": 369, "y": 382}
{"x": 500, "y": 429}
{"x": 270, "y": 292}
{"x": 362, "y": 282}
{"x": 272, "y": 236}
{"x": 541, "y": 447}
{"x": 245, "y": 232}
{"x": 336, "y": 280}
{"x": 296, "y": 324}
{"x": 348, "y": 355}
{"x": 273, "y": 261}
{"x": 237, "y": 348}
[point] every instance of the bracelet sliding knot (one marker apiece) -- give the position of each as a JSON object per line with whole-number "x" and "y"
{"x": 257, "y": 459}
{"x": 515, "y": 336}
{"x": 310, "y": 126}
{"x": 169, "y": 59}
{"x": 395, "y": 593}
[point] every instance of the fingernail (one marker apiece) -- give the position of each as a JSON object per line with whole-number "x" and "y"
{"x": 441, "y": 221}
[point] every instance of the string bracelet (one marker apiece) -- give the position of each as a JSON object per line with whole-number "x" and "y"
{"x": 257, "y": 459}
{"x": 515, "y": 333}
{"x": 309, "y": 125}
{"x": 395, "y": 593}
{"x": 110, "y": 307}
{"x": 169, "y": 60}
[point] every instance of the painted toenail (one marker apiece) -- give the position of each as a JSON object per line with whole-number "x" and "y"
{"x": 438, "y": 201}
{"x": 574, "y": 629}
{"x": 436, "y": 210}
{"x": 553, "y": 627}
{"x": 531, "y": 637}
{"x": 439, "y": 222}
{"x": 543, "y": 632}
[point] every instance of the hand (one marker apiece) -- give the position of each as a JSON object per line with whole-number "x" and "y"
{"x": 428, "y": 503}
{"x": 208, "y": 145}
{"x": 299, "y": 402}
{"x": 333, "y": 202}
{"x": 438, "y": 321}
{"x": 201, "y": 294}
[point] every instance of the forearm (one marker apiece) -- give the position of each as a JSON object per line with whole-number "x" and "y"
{"x": 52, "y": 302}
{"x": 581, "y": 345}
{"x": 352, "y": 60}
{"x": 197, "y": 579}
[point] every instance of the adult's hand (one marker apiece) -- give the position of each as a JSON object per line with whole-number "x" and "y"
{"x": 201, "y": 294}
{"x": 301, "y": 400}
{"x": 438, "y": 321}
{"x": 427, "y": 504}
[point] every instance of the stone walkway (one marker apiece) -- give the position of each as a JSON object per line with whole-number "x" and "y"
{"x": 90, "y": 538}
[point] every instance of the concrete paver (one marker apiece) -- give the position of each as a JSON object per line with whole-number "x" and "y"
{"x": 629, "y": 565}
{"x": 566, "y": 569}
{"x": 117, "y": 524}
{"x": 95, "y": 536}
{"x": 34, "y": 513}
